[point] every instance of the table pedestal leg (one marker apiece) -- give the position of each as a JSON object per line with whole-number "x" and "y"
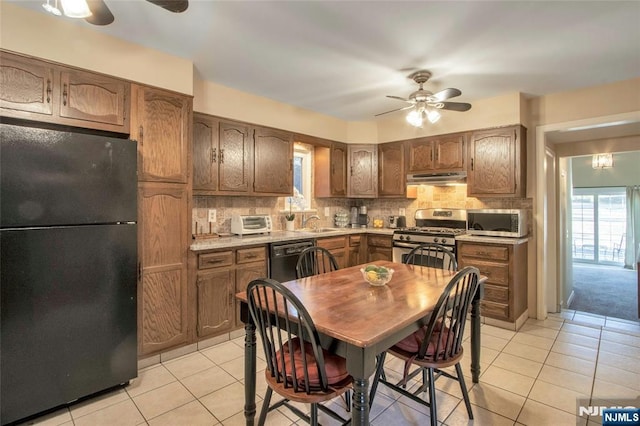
{"x": 250, "y": 373}
{"x": 360, "y": 400}
{"x": 475, "y": 339}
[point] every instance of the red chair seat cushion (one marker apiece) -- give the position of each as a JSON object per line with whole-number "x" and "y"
{"x": 335, "y": 366}
{"x": 412, "y": 342}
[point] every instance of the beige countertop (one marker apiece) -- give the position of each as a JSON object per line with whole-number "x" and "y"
{"x": 278, "y": 236}
{"x": 492, "y": 240}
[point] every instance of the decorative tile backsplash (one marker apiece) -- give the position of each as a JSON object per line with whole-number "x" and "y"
{"x": 428, "y": 197}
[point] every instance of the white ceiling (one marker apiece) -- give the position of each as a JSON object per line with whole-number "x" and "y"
{"x": 341, "y": 58}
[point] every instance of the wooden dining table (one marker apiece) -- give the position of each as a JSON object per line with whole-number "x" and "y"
{"x": 359, "y": 321}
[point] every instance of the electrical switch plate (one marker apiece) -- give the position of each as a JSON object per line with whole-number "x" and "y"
{"x": 401, "y": 212}
{"x": 212, "y": 215}
{"x": 327, "y": 212}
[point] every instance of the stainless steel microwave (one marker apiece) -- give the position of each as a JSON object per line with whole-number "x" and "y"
{"x": 498, "y": 222}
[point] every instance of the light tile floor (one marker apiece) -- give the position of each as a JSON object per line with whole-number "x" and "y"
{"x": 531, "y": 377}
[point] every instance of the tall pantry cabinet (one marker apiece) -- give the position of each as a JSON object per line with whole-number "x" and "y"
{"x": 160, "y": 122}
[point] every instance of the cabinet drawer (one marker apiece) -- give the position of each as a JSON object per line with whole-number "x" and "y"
{"x": 496, "y": 273}
{"x": 332, "y": 243}
{"x": 495, "y": 293}
{"x": 379, "y": 241}
{"x": 494, "y": 310}
{"x": 251, "y": 255}
{"x": 484, "y": 251}
{"x": 215, "y": 260}
{"x": 354, "y": 240}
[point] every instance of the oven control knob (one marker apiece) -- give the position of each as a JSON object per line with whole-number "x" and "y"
{"x": 401, "y": 238}
{"x": 408, "y": 237}
{"x": 435, "y": 240}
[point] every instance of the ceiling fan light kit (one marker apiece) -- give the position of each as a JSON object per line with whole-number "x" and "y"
{"x": 424, "y": 104}
{"x": 75, "y": 8}
{"x": 96, "y": 12}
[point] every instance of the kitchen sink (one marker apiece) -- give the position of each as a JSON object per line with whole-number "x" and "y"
{"x": 319, "y": 230}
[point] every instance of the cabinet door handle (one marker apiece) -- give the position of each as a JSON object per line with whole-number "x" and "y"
{"x": 251, "y": 256}
{"x": 139, "y": 271}
{"x": 140, "y": 134}
{"x": 221, "y": 156}
{"x": 431, "y": 155}
{"x": 64, "y": 94}
{"x": 351, "y": 170}
{"x": 472, "y": 164}
{"x": 214, "y": 155}
{"x": 213, "y": 261}
{"x": 48, "y": 91}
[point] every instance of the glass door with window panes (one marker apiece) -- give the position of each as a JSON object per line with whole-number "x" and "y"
{"x": 598, "y": 225}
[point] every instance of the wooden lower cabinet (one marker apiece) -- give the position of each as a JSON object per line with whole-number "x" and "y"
{"x": 505, "y": 266}
{"x": 379, "y": 247}
{"x": 338, "y": 248}
{"x": 162, "y": 289}
{"x": 215, "y": 305}
{"x": 356, "y": 253}
{"x": 220, "y": 275}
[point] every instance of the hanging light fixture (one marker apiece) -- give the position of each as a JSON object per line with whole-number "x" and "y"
{"x": 602, "y": 161}
{"x": 52, "y": 8}
{"x": 416, "y": 116}
{"x": 71, "y": 8}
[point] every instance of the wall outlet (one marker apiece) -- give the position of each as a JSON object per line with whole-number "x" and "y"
{"x": 212, "y": 215}
{"x": 401, "y": 212}
{"x": 327, "y": 211}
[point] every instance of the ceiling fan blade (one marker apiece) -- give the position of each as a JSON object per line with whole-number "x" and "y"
{"x": 444, "y": 94}
{"x": 401, "y": 99}
{"x": 175, "y": 6}
{"x": 101, "y": 15}
{"x": 394, "y": 110}
{"x": 453, "y": 106}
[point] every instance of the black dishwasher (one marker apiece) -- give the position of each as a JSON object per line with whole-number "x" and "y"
{"x": 283, "y": 257}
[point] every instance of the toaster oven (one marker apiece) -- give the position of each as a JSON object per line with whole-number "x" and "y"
{"x": 250, "y": 224}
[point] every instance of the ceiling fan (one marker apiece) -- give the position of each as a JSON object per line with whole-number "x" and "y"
{"x": 96, "y": 12}
{"x": 426, "y": 104}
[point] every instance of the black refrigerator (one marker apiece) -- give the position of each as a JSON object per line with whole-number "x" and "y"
{"x": 68, "y": 254}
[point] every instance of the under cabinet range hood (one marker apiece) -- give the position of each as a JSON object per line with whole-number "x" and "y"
{"x": 437, "y": 178}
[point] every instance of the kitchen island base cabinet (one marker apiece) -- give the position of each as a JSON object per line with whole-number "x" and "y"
{"x": 505, "y": 290}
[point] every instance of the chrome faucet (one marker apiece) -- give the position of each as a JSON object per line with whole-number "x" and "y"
{"x": 306, "y": 220}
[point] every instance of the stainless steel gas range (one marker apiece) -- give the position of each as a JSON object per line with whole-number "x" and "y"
{"x": 439, "y": 226}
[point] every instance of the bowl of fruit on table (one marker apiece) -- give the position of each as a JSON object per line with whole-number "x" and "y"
{"x": 376, "y": 275}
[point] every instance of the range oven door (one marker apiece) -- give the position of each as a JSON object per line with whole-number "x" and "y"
{"x": 401, "y": 251}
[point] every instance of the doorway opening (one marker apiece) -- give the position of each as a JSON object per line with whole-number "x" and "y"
{"x": 598, "y": 225}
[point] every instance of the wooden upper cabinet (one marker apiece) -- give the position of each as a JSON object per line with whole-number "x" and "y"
{"x": 273, "y": 162}
{"x": 497, "y": 163}
{"x": 205, "y": 152}
{"x": 392, "y": 177}
{"x": 96, "y": 98}
{"x": 38, "y": 90}
{"x": 235, "y": 151}
{"x": 363, "y": 171}
{"x": 330, "y": 170}
{"x": 338, "y": 176}
{"x": 26, "y": 86}
{"x": 441, "y": 153}
{"x": 160, "y": 122}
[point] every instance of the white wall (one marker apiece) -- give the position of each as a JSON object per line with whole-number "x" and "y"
{"x": 625, "y": 171}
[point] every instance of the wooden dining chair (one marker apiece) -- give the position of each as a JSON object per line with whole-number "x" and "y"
{"x": 437, "y": 345}
{"x": 432, "y": 255}
{"x": 298, "y": 369}
{"x": 314, "y": 261}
